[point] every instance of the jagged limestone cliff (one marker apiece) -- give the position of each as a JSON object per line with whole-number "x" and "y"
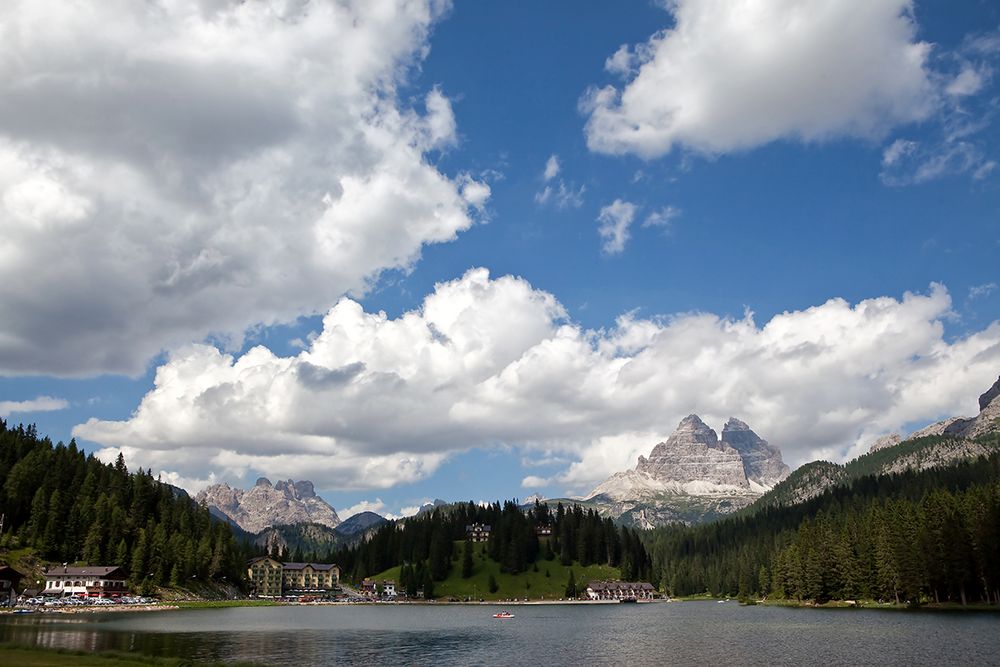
{"x": 692, "y": 476}
{"x": 284, "y": 503}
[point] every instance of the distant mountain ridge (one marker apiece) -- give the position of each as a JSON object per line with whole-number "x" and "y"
{"x": 285, "y": 503}
{"x": 939, "y": 445}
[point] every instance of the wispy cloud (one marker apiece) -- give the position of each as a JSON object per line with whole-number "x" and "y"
{"x": 979, "y": 291}
{"x": 615, "y": 219}
{"x": 39, "y": 404}
{"x": 551, "y": 168}
{"x": 561, "y": 194}
{"x": 663, "y": 218}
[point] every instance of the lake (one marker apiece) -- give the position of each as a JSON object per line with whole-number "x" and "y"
{"x": 689, "y": 633}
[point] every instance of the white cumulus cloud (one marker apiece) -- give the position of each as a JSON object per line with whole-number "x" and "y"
{"x": 735, "y": 74}
{"x": 193, "y": 168}
{"x": 374, "y": 402}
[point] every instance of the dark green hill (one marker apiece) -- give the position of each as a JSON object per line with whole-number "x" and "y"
{"x": 913, "y": 536}
{"x": 69, "y": 507}
{"x": 814, "y": 479}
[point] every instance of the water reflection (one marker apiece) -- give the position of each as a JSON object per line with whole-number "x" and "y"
{"x": 688, "y": 633}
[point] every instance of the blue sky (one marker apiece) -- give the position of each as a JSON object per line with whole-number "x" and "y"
{"x": 810, "y": 216}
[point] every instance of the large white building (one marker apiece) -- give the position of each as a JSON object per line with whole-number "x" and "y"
{"x": 92, "y": 581}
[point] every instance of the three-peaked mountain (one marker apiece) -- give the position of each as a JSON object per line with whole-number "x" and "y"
{"x": 692, "y": 476}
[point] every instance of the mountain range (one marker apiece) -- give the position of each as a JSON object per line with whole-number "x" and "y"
{"x": 693, "y": 476}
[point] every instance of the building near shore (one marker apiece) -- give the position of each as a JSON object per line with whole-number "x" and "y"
{"x": 10, "y": 579}
{"x": 380, "y": 589}
{"x": 620, "y": 590}
{"x": 273, "y": 579}
{"x": 92, "y": 581}
{"x": 320, "y": 579}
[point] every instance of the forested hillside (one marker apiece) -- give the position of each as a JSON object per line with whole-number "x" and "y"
{"x": 911, "y": 537}
{"x": 426, "y": 542}
{"x": 70, "y": 507}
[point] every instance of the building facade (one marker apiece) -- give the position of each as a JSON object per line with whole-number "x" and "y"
{"x": 10, "y": 579}
{"x": 620, "y": 590}
{"x": 92, "y": 581}
{"x": 274, "y": 579}
{"x": 478, "y": 532}
{"x": 310, "y": 579}
{"x": 374, "y": 589}
{"x": 265, "y": 574}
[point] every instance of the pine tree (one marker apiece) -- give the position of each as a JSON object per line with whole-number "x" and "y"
{"x": 492, "y": 584}
{"x": 52, "y": 538}
{"x": 428, "y": 585}
{"x": 467, "y": 560}
{"x": 571, "y": 585}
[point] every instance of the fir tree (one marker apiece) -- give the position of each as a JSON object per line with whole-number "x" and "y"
{"x": 467, "y": 560}
{"x": 571, "y": 585}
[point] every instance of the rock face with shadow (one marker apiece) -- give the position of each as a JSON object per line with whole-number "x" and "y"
{"x": 285, "y": 503}
{"x": 692, "y": 476}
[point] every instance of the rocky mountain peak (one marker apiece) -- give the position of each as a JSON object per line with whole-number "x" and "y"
{"x": 693, "y": 472}
{"x": 264, "y": 505}
{"x": 987, "y": 397}
{"x": 293, "y": 489}
{"x": 693, "y": 453}
{"x": 735, "y": 424}
{"x": 987, "y": 421}
{"x": 693, "y": 429}
{"x": 890, "y": 440}
{"x": 761, "y": 462}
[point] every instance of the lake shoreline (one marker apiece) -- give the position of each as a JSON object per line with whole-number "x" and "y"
{"x": 248, "y": 603}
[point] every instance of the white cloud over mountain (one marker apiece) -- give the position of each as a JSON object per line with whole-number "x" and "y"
{"x": 731, "y": 75}
{"x": 373, "y": 402}
{"x": 177, "y": 169}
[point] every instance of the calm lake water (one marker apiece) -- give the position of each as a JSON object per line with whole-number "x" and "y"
{"x": 689, "y": 633}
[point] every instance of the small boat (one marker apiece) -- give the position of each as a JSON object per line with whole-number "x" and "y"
{"x": 503, "y": 614}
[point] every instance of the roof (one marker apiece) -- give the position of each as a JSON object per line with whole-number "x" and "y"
{"x": 319, "y": 567}
{"x": 477, "y": 526}
{"x": 9, "y": 573}
{"x": 85, "y": 571}
{"x": 258, "y": 559}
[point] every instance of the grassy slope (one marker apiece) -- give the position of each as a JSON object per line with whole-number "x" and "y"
{"x": 511, "y": 585}
{"x": 24, "y": 656}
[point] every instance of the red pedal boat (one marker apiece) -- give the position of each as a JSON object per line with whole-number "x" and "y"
{"x": 503, "y": 614}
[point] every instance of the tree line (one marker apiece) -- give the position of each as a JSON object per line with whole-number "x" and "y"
{"x": 71, "y": 507}
{"x": 424, "y": 545}
{"x": 913, "y": 537}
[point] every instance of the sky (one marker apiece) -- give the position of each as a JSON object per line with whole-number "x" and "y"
{"x": 476, "y": 250}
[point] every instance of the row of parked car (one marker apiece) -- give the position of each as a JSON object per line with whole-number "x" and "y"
{"x": 80, "y": 601}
